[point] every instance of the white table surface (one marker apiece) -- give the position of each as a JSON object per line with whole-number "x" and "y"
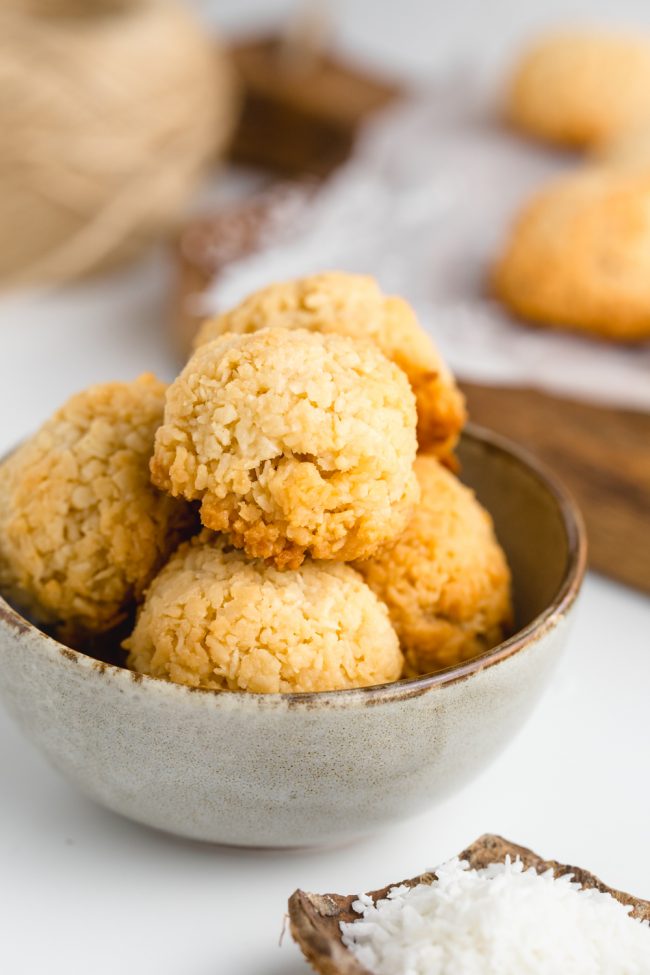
{"x": 82, "y": 890}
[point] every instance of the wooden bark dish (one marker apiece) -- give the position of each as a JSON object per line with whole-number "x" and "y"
{"x": 315, "y": 918}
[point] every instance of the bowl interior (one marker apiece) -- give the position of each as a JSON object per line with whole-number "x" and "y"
{"x": 535, "y": 522}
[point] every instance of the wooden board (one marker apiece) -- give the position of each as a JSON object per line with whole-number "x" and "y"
{"x": 603, "y": 456}
{"x": 301, "y": 106}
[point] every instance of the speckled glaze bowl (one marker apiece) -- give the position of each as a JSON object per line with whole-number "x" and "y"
{"x": 310, "y": 769}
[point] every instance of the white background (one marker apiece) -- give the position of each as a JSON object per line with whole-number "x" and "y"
{"x": 82, "y": 890}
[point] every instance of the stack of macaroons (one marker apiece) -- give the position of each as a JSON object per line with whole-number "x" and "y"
{"x": 331, "y": 555}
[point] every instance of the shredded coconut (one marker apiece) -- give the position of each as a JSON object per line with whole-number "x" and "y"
{"x": 500, "y": 920}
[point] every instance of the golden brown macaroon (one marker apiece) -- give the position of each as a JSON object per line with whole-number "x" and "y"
{"x": 353, "y": 305}
{"x": 580, "y": 88}
{"x": 579, "y": 255}
{"x": 214, "y": 619}
{"x": 294, "y": 442}
{"x": 82, "y": 529}
{"x": 446, "y": 581}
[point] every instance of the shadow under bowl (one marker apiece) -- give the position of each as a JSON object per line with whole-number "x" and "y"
{"x": 291, "y": 770}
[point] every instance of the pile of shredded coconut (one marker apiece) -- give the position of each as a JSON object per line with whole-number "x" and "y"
{"x": 501, "y": 920}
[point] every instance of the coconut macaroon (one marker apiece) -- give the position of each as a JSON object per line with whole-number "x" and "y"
{"x": 353, "y": 305}
{"x": 579, "y": 255}
{"x": 82, "y": 529}
{"x": 214, "y": 619}
{"x": 294, "y": 442}
{"x": 580, "y": 88}
{"x": 446, "y": 581}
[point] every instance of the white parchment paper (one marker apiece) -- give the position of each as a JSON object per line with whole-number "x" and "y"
{"x": 423, "y": 205}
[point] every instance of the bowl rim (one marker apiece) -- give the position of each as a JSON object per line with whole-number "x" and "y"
{"x": 408, "y": 687}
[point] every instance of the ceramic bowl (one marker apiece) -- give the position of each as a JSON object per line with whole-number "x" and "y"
{"x": 309, "y": 769}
